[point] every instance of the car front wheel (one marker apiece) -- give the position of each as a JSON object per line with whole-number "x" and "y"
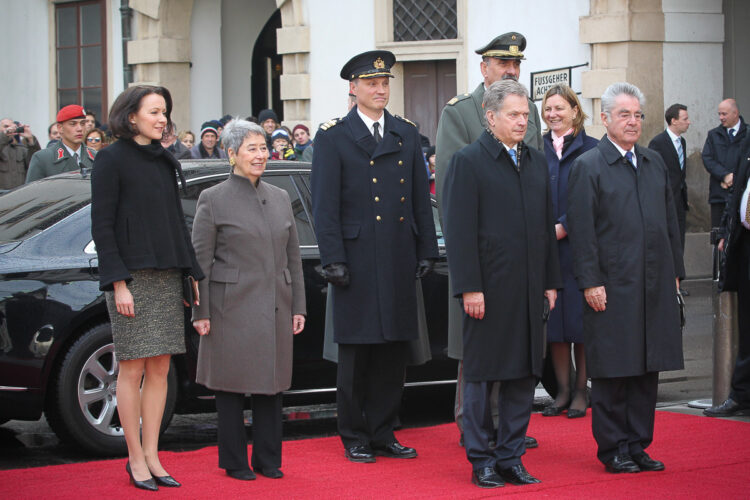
{"x": 83, "y": 404}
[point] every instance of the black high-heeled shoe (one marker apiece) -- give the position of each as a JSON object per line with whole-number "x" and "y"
{"x": 148, "y": 484}
{"x": 167, "y": 481}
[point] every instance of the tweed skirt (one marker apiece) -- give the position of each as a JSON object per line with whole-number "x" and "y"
{"x": 159, "y": 323}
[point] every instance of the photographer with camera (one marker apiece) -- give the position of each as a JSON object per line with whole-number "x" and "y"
{"x": 17, "y": 144}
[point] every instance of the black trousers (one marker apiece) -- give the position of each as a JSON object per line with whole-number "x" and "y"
{"x": 741, "y": 376}
{"x": 681, "y": 216}
{"x": 266, "y": 431}
{"x": 369, "y": 384}
{"x": 514, "y": 401}
{"x": 622, "y": 414}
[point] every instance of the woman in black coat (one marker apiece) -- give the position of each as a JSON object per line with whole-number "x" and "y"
{"x": 565, "y": 141}
{"x": 144, "y": 251}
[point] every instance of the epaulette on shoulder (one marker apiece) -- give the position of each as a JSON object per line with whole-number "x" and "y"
{"x": 330, "y": 123}
{"x": 406, "y": 120}
{"x": 460, "y": 97}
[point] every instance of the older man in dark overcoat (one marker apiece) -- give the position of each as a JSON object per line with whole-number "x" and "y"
{"x": 628, "y": 262}
{"x": 503, "y": 262}
{"x": 376, "y": 235}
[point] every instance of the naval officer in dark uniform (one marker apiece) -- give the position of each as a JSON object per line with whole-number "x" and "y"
{"x": 376, "y": 235}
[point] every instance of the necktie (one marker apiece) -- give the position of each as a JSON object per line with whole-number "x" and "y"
{"x": 376, "y": 129}
{"x": 629, "y": 157}
{"x": 731, "y": 134}
{"x": 512, "y": 153}
{"x": 78, "y": 160}
{"x": 681, "y": 154}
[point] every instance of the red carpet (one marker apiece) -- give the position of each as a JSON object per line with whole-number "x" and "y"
{"x": 705, "y": 458}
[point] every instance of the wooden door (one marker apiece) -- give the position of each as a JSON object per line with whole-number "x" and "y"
{"x": 428, "y": 85}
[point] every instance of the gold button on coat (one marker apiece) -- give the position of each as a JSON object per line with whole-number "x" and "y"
{"x": 401, "y": 219}
{"x": 372, "y": 162}
{"x": 400, "y": 162}
{"x": 402, "y": 181}
{"x": 374, "y": 180}
{"x": 403, "y": 199}
{"x": 377, "y": 199}
{"x": 377, "y": 218}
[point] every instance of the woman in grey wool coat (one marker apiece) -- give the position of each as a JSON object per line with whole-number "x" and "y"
{"x": 251, "y": 304}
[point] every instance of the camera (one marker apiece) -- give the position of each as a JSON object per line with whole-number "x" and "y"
{"x": 19, "y": 130}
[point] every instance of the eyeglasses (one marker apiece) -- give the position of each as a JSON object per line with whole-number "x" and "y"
{"x": 94, "y": 139}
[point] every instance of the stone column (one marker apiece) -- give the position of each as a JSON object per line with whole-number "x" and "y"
{"x": 293, "y": 42}
{"x": 160, "y": 51}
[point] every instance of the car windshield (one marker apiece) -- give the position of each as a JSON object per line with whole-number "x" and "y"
{"x": 33, "y": 208}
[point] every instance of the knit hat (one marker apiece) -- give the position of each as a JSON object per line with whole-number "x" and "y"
{"x": 302, "y": 127}
{"x": 208, "y": 127}
{"x": 280, "y": 132}
{"x": 266, "y": 114}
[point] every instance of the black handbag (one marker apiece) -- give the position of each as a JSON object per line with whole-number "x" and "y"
{"x": 189, "y": 290}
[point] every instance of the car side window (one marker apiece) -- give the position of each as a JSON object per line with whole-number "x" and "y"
{"x": 438, "y": 228}
{"x": 190, "y": 197}
{"x": 301, "y": 217}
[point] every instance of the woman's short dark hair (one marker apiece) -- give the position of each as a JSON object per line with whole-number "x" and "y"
{"x": 129, "y": 102}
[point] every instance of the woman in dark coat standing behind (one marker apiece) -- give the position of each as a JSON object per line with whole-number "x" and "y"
{"x": 565, "y": 141}
{"x": 144, "y": 250}
{"x": 253, "y": 302}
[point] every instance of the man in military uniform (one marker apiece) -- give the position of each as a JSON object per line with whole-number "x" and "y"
{"x": 376, "y": 235}
{"x": 461, "y": 123}
{"x": 69, "y": 154}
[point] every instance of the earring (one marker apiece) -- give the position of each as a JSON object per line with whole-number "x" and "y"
{"x": 231, "y": 162}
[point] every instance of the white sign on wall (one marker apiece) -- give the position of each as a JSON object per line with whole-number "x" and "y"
{"x": 541, "y": 81}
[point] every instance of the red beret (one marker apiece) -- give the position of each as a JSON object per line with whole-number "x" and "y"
{"x": 71, "y": 112}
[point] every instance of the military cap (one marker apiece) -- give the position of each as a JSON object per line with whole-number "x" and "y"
{"x": 370, "y": 64}
{"x": 507, "y": 46}
{"x": 70, "y": 112}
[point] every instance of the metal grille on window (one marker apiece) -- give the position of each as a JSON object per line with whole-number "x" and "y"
{"x": 424, "y": 20}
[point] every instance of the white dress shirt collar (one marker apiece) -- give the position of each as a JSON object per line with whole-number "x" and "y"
{"x": 72, "y": 153}
{"x": 369, "y": 122}
{"x": 623, "y": 151}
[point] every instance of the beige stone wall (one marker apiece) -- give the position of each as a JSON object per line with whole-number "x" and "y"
{"x": 160, "y": 52}
{"x": 293, "y": 42}
{"x": 626, "y": 37}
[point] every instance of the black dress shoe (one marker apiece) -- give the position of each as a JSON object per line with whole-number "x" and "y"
{"x": 573, "y": 413}
{"x": 622, "y": 463}
{"x": 645, "y": 462}
{"x": 360, "y": 454}
{"x": 531, "y": 442}
{"x": 518, "y": 475}
{"x": 726, "y": 409}
{"x": 395, "y": 450}
{"x": 271, "y": 472}
{"x": 486, "y": 477}
{"x": 241, "y": 474}
{"x": 148, "y": 484}
{"x": 553, "y": 411}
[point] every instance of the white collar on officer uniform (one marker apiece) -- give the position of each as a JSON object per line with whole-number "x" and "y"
{"x": 369, "y": 122}
{"x": 72, "y": 153}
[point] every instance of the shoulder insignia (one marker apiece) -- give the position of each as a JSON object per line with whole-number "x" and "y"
{"x": 458, "y": 98}
{"x": 60, "y": 153}
{"x": 91, "y": 155}
{"x": 330, "y": 123}
{"x": 406, "y": 120}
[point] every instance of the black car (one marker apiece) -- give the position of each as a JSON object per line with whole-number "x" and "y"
{"x": 56, "y": 351}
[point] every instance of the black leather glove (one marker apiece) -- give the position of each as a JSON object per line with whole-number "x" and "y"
{"x": 424, "y": 267}
{"x": 336, "y": 274}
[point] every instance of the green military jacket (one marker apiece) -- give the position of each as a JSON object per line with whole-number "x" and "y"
{"x": 14, "y": 160}
{"x": 461, "y": 123}
{"x": 55, "y": 159}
